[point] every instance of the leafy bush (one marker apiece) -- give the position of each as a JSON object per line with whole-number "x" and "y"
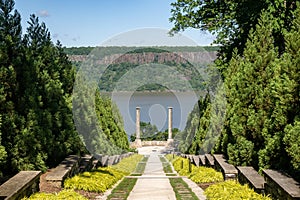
{"x": 232, "y": 190}
{"x": 101, "y": 179}
{"x": 65, "y": 195}
{"x": 196, "y": 174}
{"x": 182, "y": 166}
{"x": 128, "y": 165}
{"x": 205, "y": 175}
{"x": 98, "y": 180}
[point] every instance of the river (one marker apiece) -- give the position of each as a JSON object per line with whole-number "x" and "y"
{"x": 154, "y": 108}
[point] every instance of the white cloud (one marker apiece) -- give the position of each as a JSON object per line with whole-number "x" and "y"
{"x": 43, "y": 13}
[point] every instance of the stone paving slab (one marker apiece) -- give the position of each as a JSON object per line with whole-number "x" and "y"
{"x": 154, "y": 184}
{"x": 146, "y": 189}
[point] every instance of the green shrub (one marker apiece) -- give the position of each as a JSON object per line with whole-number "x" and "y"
{"x": 232, "y": 190}
{"x": 103, "y": 178}
{"x": 205, "y": 175}
{"x": 182, "y": 166}
{"x": 128, "y": 165}
{"x": 98, "y": 180}
{"x": 65, "y": 195}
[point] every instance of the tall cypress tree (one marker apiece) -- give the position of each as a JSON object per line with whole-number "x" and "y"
{"x": 10, "y": 62}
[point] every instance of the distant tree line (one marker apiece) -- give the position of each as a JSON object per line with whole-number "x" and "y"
{"x": 110, "y": 50}
{"x": 149, "y": 132}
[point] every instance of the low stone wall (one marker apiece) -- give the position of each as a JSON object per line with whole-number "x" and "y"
{"x": 275, "y": 183}
{"x": 280, "y": 186}
{"x": 154, "y": 143}
{"x": 67, "y": 168}
{"x": 23, "y": 184}
{"x": 228, "y": 170}
{"x": 248, "y": 175}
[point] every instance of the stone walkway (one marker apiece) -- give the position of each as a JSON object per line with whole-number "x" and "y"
{"x": 154, "y": 184}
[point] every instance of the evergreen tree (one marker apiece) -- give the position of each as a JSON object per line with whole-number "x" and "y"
{"x": 10, "y": 62}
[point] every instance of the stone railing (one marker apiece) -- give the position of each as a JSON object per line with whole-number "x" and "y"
{"x": 22, "y": 184}
{"x": 154, "y": 143}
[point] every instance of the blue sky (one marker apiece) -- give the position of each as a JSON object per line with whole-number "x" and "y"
{"x": 91, "y": 22}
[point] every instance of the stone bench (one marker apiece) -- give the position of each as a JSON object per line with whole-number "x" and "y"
{"x": 248, "y": 175}
{"x": 196, "y": 160}
{"x": 209, "y": 161}
{"x": 67, "y": 168}
{"x": 202, "y": 160}
{"x": 280, "y": 185}
{"x": 228, "y": 170}
{"x": 86, "y": 163}
{"x": 21, "y": 185}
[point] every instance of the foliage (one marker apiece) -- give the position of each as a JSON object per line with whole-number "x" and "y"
{"x": 128, "y": 165}
{"x": 149, "y": 132}
{"x": 111, "y": 122}
{"x": 231, "y": 21}
{"x": 232, "y": 190}
{"x": 192, "y": 137}
{"x": 37, "y": 129}
{"x": 64, "y": 194}
{"x": 103, "y": 178}
{"x": 262, "y": 89}
{"x": 196, "y": 174}
{"x": 205, "y": 175}
{"x": 98, "y": 180}
{"x": 183, "y": 166}
{"x": 110, "y": 50}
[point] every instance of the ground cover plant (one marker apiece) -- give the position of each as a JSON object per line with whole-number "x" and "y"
{"x": 65, "y": 195}
{"x": 232, "y": 190}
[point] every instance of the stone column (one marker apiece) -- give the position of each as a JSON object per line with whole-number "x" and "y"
{"x": 170, "y": 121}
{"x": 138, "y": 141}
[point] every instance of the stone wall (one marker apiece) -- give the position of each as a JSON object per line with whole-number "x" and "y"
{"x": 22, "y": 184}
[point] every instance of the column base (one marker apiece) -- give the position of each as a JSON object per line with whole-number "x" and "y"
{"x": 138, "y": 143}
{"x": 170, "y": 142}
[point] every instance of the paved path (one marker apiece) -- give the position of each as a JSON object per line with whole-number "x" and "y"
{"x": 153, "y": 184}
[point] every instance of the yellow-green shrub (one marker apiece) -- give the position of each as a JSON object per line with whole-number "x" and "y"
{"x": 186, "y": 170}
{"x": 103, "y": 178}
{"x": 170, "y": 157}
{"x": 128, "y": 165}
{"x": 232, "y": 190}
{"x": 96, "y": 181}
{"x": 205, "y": 175}
{"x": 65, "y": 194}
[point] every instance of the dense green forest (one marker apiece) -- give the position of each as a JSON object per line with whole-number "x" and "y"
{"x": 259, "y": 62}
{"x": 110, "y": 50}
{"x": 167, "y": 76}
{"x": 36, "y": 125}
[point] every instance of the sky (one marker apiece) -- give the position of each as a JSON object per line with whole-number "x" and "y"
{"x": 93, "y": 22}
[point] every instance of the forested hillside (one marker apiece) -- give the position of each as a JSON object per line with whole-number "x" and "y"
{"x": 260, "y": 67}
{"x": 36, "y": 124}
